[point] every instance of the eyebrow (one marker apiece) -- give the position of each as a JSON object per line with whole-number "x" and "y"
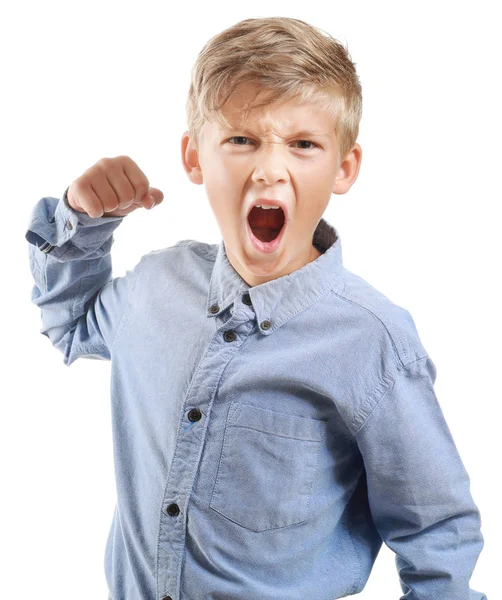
{"x": 302, "y": 133}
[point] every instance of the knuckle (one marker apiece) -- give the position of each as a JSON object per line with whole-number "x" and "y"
{"x": 104, "y": 165}
{"x": 103, "y": 162}
{"x": 76, "y": 185}
{"x": 83, "y": 186}
{"x": 77, "y": 189}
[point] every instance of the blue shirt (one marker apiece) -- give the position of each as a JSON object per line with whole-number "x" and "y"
{"x": 266, "y": 439}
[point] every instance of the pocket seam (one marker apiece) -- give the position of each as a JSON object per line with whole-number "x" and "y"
{"x": 320, "y": 431}
{"x": 316, "y": 427}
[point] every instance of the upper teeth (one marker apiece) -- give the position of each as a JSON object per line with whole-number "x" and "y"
{"x": 266, "y": 207}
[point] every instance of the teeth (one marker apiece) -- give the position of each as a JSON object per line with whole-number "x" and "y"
{"x": 266, "y": 207}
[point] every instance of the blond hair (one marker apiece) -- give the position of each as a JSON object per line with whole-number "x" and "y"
{"x": 287, "y": 58}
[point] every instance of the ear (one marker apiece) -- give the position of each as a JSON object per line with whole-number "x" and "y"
{"x": 190, "y": 159}
{"x": 348, "y": 170}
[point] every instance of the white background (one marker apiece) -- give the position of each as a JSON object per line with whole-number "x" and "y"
{"x": 84, "y": 80}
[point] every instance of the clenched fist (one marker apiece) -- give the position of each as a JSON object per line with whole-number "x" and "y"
{"x": 113, "y": 187}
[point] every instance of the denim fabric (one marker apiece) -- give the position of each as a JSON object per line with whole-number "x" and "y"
{"x": 266, "y": 440}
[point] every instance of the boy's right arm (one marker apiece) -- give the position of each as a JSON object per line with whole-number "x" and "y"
{"x": 70, "y": 239}
{"x": 81, "y": 305}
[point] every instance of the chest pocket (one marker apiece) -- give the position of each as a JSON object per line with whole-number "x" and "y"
{"x": 267, "y": 467}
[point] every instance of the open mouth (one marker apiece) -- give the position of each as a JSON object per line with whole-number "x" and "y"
{"x": 266, "y": 224}
{"x": 266, "y": 228}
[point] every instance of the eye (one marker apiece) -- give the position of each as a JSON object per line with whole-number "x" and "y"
{"x": 308, "y": 142}
{"x": 240, "y": 137}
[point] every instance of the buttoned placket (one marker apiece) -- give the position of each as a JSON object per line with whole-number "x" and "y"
{"x": 196, "y": 411}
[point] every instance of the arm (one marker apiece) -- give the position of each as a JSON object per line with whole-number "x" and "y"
{"x": 81, "y": 305}
{"x": 418, "y": 489}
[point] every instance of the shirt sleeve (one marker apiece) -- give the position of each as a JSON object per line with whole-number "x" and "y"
{"x": 81, "y": 304}
{"x": 418, "y": 489}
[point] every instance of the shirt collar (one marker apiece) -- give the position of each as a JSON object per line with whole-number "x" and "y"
{"x": 278, "y": 300}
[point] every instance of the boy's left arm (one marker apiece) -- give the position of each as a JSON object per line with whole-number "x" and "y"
{"x": 418, "y": 489}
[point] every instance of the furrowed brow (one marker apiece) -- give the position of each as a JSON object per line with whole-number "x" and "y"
{"x": 298, "y": 134}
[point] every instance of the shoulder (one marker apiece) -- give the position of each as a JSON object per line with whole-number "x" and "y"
{"x": 385, "y": 322}
{"x": 185, "y": 256}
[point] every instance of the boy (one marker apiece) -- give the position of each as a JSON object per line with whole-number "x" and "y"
{"x": 274, "y": 415}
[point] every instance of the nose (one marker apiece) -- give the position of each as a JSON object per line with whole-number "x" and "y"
{"x": 270, "y": 168}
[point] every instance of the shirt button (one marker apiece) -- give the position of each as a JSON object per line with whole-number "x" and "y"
{"x": 173, "y": 510}
{"x": 265, "y": 324}
{"x": 229, "y": 336}
{"x": 214, "y": 309}
{"x": 68, "y": 224}
{"x": 194, "y": 414}
{"x": 246, "y": 298}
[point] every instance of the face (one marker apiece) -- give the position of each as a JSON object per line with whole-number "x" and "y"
{"x": 267, "y": 157}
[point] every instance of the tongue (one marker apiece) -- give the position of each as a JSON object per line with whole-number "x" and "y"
{"x": 262, "y": 218}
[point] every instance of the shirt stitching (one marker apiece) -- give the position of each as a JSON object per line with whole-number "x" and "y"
{"x": 376, "y": 317}
{"x": 388, "y": 389}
